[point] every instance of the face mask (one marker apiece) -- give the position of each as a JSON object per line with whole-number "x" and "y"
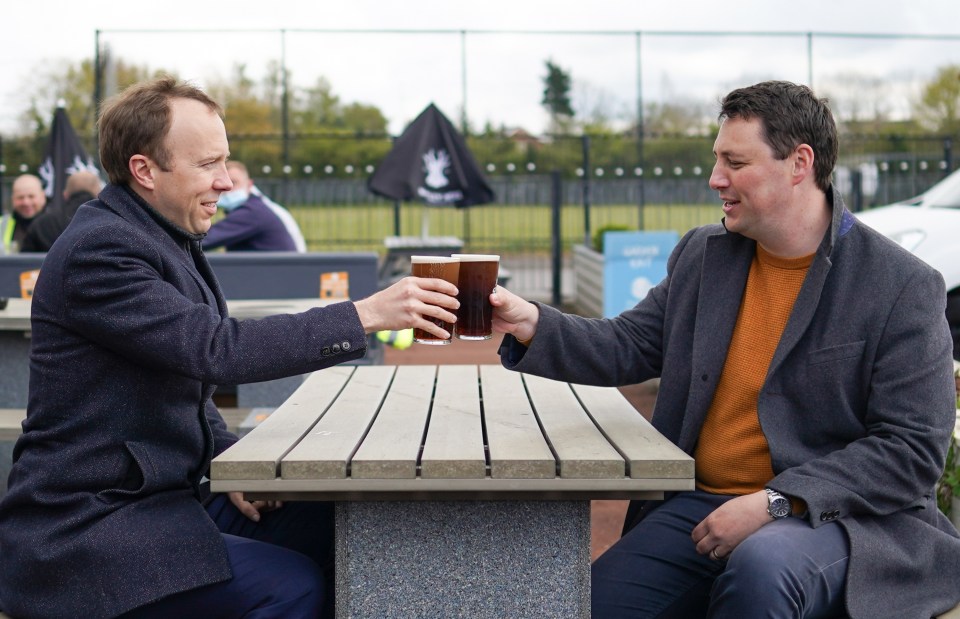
{"x": 232, "y": 199}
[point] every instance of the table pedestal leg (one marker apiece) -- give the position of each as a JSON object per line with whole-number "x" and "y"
{"x": 473, "y": 559}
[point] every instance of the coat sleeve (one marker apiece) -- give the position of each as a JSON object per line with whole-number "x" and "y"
{"x": 623, "y": 350}
{"x": 121, "y": 296}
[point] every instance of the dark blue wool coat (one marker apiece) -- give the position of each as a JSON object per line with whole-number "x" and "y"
{"x": 130, "y": 336}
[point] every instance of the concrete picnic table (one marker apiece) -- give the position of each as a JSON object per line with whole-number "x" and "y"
{"x": 458, "y": 488}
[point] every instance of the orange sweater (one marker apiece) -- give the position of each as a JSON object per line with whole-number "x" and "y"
{"x": 732, "y": 455}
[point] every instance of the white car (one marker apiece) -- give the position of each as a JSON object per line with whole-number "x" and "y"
{"x": 929, "y": 227}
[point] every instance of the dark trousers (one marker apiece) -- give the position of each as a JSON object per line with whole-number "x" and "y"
{"x": 282, "y": 567}
{"x": 785, "y": 569}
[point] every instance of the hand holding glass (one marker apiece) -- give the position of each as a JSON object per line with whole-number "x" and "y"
{"x": 443, "y": 268}
{"x": 478, "y": 278}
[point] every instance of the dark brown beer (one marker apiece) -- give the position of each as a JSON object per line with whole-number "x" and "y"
{"x": 478, "y": 278}
{"x": 443, "y": 268}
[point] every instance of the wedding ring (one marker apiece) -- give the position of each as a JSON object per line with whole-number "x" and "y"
{"x": 715, "y": 556}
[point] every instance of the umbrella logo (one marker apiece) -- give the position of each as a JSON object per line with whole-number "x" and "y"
{"x": 436, "y": 163}
{"x": 48, "y": 173}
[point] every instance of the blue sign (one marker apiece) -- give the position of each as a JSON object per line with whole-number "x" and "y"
{"x": 634, "y": 262}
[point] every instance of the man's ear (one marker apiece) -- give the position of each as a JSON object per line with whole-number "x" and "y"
{"x": 802, "y": 163}
{"x": 141, "y": 169}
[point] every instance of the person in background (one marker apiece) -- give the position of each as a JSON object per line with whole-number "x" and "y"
{"x": 28, "y": 202}
{"x": 107, "y": 511}
{"x": 805, "y": 362}
{"x": 81, "y": 187}
{"x": 252, "y": 223}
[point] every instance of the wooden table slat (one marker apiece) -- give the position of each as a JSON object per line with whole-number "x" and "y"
{"x": 454, "y": 443}
{"x": 384, "y": 410}
{"x": 338, "y": 433}
{"x": 259, "y": 457}
{"x": 392, "y": 445}
{"x": 581, "y": 449}
{"x": 647, "y": 453}
{"x": 517, "y": 446}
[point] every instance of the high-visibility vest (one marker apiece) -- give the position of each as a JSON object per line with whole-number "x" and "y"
{"x": 7, "y": 225}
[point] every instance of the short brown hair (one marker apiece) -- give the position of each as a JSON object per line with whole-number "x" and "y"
{"x": 136, "y": 122}
{"x": 790, "y": 115}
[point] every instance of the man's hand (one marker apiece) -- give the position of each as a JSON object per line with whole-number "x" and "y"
{"x": 404, "y": 305}
{"x": 513, "y": 314}
{"x": 252, "y": 509}
{"x": 731, "y": 523}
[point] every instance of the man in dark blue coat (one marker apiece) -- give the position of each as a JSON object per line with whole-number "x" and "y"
{"x": 130, "y": 337}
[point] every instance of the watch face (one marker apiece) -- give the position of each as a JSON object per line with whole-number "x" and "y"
{"x": 779, "y": 507}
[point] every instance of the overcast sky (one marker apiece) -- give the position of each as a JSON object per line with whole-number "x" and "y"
{"x": 497, "y": 74}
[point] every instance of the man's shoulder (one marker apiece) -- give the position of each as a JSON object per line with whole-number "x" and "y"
{"x": 871, "y": 244}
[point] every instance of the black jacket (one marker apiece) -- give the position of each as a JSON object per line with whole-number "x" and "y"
{"x": 51, "y": 222}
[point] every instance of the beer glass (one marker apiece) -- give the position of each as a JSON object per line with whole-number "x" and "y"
{"x": 440, "y": 267}
{"x": 478, "y": 278}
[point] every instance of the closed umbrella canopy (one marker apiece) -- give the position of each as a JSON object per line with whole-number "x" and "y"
{"x": 62, "y": 156}
{"x": 430, "y": 162}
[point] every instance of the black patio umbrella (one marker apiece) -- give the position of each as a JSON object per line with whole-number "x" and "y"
{"x": 430, "y": 162}
{"x": 62, "y": 156}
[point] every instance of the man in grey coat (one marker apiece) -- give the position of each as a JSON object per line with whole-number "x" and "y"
{"x": 130, "y": 337}
{"x": 805, "y": 362}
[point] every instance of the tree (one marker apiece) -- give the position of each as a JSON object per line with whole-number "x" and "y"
{"x": 939, "y": 106}
{"x": 858, "y": 98}
{"x": 556, "y": 97}
{"x": 324, "y": 129}
{"x": 51, "y": 82}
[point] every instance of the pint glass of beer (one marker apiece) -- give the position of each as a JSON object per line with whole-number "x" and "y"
{"x": 440, "y": 267}
{"x": 478, "y": 278}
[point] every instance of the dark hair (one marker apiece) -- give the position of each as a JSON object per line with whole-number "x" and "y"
{"x": 136, "y": 122}
{"x": 790, "y": 115}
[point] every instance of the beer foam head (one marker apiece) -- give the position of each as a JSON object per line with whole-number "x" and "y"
{"x": 477, "y": 257}
{"x": 431, "y": 259}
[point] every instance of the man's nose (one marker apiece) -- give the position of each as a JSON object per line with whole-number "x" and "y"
{"x": 718, "y": 180}
{"x": 223, "y": 182}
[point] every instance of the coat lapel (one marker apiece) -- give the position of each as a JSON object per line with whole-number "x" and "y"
{"x": 809, "y": 298}
{"x": 726, "y": 265}
{"x": 125, "y": 203}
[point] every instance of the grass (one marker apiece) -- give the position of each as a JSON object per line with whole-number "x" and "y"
{"x": 504, "y": 228}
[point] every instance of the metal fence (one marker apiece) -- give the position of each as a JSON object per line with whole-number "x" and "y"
{"x": 603, "y": 183}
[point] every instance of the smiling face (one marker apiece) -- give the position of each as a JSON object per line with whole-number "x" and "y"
{"x": 186, "y": 192}
{"x": 28, "y": 197}
{"x": 754, "y": 185}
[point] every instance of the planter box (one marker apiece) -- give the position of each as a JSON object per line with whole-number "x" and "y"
{"x": 588, "y": 281}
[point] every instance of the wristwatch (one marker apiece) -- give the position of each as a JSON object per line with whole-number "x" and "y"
{"x": 778, "y": 506}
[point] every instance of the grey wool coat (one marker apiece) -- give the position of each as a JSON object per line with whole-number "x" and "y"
{"x": 130, "y": 338}
{"x": 857, "y": 407}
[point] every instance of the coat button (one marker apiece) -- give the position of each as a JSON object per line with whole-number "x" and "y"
{"x": 336, "y": 348}
{"x": 325, "y": 351}
{"x": 345, "y": 346}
